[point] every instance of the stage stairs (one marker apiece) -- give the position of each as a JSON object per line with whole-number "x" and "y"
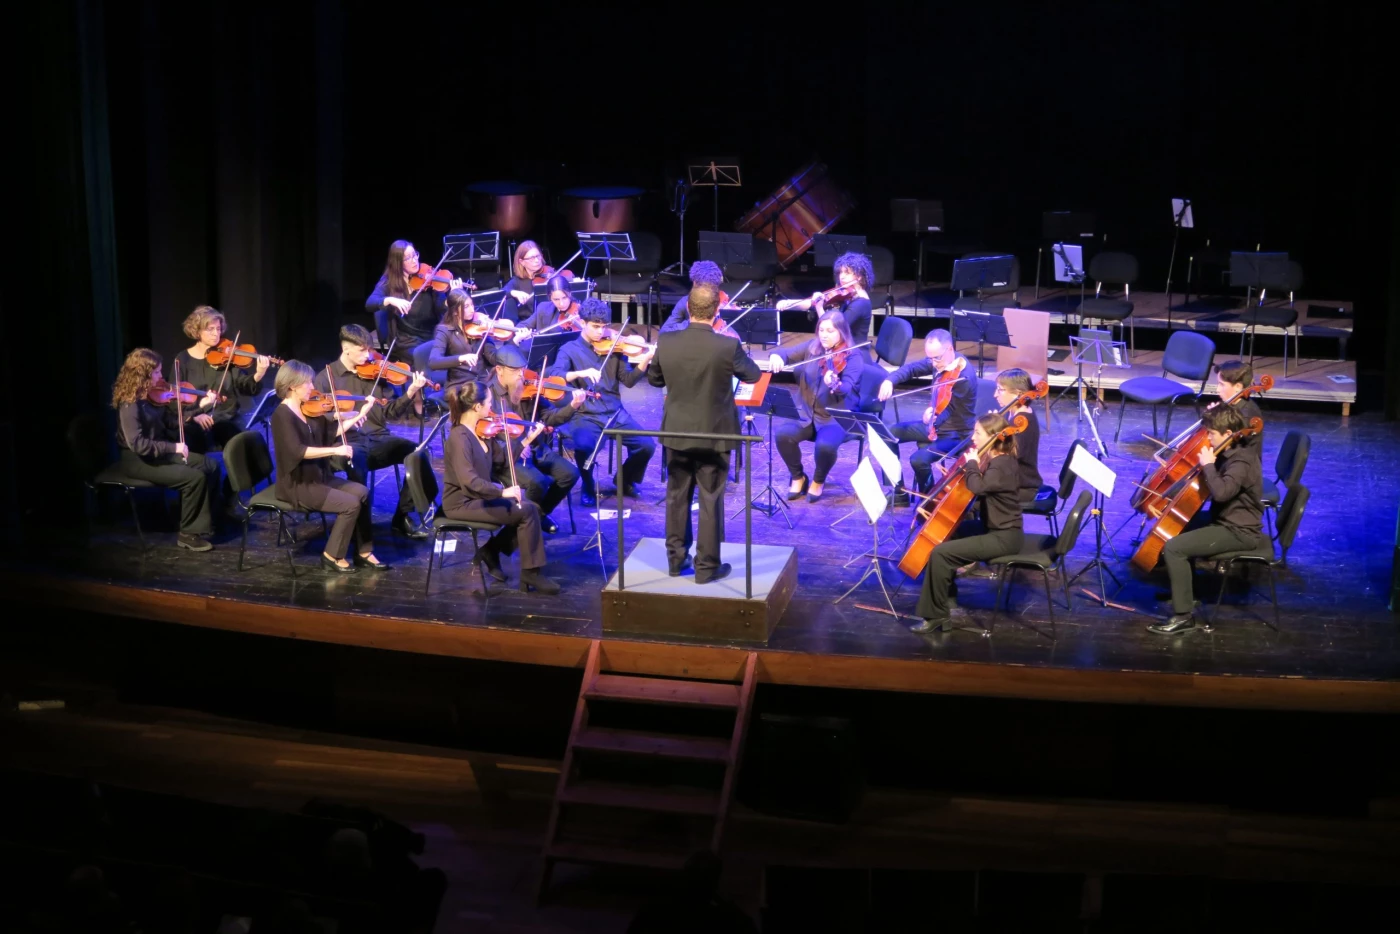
{"x": 650, "y": 768}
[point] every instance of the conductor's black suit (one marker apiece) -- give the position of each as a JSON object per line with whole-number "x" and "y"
{"x": 698, "y": 367}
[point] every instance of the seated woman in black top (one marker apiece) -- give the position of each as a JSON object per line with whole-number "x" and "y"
{"x": 527, "y": 263}
{"x": 559, "y": 312}
{"x": 853, "y": 270}
{"x": 468, "y": 492}
{"x": 148, "y": 434}
{"x": 410, "y": 318}
{"x": 995, "y": 477}
{"x": 301, "y": 446}
{"x": 206, "y": 429}
{"x": 834, "y": 383}
{"x": 1011, "y": 384}
{"x": 462, "y": 357}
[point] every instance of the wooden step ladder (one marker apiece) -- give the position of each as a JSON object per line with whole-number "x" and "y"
{"x": 577, "y": 791}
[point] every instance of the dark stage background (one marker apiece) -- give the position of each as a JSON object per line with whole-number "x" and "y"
{"x": 260, "y": 157}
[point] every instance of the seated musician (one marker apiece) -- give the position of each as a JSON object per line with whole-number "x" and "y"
{"x": 832, "y": 383}
{"x": 520, "y": 290}
{"x": 462, "y": 357}
{"x": 550, "y": 478}
{"x": 469, "y": 494}
{"x": 207, "y": 429}
{"x": 411, "y": 316}
{"x": 851, "y": 270}
{"x": 371, "y": 442}
{"x": 947, "y": 422}
{"x": 1236, "y": 485}
{"x": 1232, "y": 378}
{"x": 559, "y": 312}
{"x": 1011, "y": 385}
{"x": 582, "y": 366}
{"x": 303, "y": 448}
{"x": 702, "y": 272}
{"x": 148, "y": 437}
{"x": 995, "y": 477}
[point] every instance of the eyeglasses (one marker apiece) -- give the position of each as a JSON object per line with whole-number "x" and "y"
{"x": 410, "y": 254}
{"x": 533, "y": 256}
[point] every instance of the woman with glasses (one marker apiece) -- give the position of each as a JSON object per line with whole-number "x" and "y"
{"x": 520, "y": 290}
{"x": 209, "y": 427}
{"x": 409, "y": 318}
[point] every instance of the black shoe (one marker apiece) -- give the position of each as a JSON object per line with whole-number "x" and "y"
{"x": 588, "y": 499}
{"x": 719, "y": 573}
{"x": 549, "y": 526}
{"x": 192, "y": 542}
{"x": 373, "y": 566}
{"x": 815, "y": 497}
{"x": 491, "y": 563}
{"x": 1181, "y": 622}
{"x": 531, "y": 577}
{"x": 401, "y": 526}
{"x": 978, "y": 572}
{"x": 632, "y": 490}
{"x": 685, "y": 565}
{"x": 802, "y": 491}
{"x": 933, "y": 625}
{"x": 329, "y": 565}
{"x": 900, "y": 498}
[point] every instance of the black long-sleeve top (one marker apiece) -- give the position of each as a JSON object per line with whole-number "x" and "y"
{"x": 467, "y": 469}
{"x": 146, "y": 429}
{"x": 423, "y": 315}
{"x": 1236, "y": 485}
{"x": 1027, "y": 451}
{"x": 546, "y": 315}
{"x": 997, "y": 481}
{"x": 955, "y": 420}
{"x": 300, "y": 481}
{"x": 579, "y": 355}
{"x": 200, "y": 374}
{"x": 1248, "y": 409}
{"x": 679, "y": 318}
{"x": 857, "y": 313}
{"x": 511, "y": 306}
{"x": 814, "y": 395}
{"x": 449, "y": 343}
{"x": 376, "y": 425}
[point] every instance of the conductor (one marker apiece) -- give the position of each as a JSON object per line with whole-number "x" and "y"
{"x": 698, "y": 368}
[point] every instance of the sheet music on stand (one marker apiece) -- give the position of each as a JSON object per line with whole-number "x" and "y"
{"x": 1092, "y": 471}
{"x": 1097, "y": 348}
{"x": 1069, "y": 262}
{"x": 1181, "y": 212}
{"x": 483, "y": 246}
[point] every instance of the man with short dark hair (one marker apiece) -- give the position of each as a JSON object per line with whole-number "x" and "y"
{"x": 698, "y": 368}
{"x": 367, "y": 430}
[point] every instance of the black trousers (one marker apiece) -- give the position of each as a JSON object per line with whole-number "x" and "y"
{"x": 521, "y": 523}
{"x": 196, "y": 482}
{"x": 375, "y": 453}
{"x": 348, "y": 501}
{"x": 953, "y": 554}
{"x": 789, "y": 435}
{"x": 929, "y": 453}
{"x": 584, "y": 433}
{"x": 687, "y": 470}
{"x": 1200, "y": 543}
{"x": 203, "y": 440}
{"x": 547, "y": 481}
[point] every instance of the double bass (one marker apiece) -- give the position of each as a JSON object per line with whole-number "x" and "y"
{"x": 1169, "y": 473}
{"x": 1174, "y": 513}
{"x": 947, "y": 505}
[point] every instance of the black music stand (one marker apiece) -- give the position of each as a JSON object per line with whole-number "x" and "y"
{"x": 717, "y": 173}
{"x": 983, "y": 273}
{"x": 1061, "y": 227}
{"x": 1181, "y": 217}
{"x": 854, "y": 421}
{"x": 982, "y": 327}
{"x": 827, "y": 247}
{"x": 910, "y": 215}
{"x": 1257, "y": 270}
{"x": 472, "y": 248}
{"x": 723, "y": 247}
{"x": 605, "y": 247}
{"x": 777, "y": 401}
{"x": 547, "y": 346}
{"x": 757, "y": 325}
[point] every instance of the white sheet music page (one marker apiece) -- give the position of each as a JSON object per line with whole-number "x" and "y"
{"x": 886, "y": 458}
{"x": 868, "y": 489}
{"x": 1092, "y": 471}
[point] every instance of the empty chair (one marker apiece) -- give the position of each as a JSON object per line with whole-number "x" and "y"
{"x": 1188, "y": 355}
{"x": 249, "y": 463}
{"x": 1281, "y": 316}
{"x": 759, "y": 274}
{"x": 421, "y": 354}
{"x": 1050, "y": 501}
{"x": 423, "y": 487}
{"x": 1045, "y": 553}
{"x": 991, "y": 299}
{"x": 1290, "y": 515}
{"x": 1292, "y": 457}
{"x": 1112, "y": 269}
{"x": 88, "y": 451}
{"x": 882, "y": 261}
{"x": 892, "y": 347}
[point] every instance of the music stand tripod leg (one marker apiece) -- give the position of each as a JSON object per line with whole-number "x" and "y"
{"x": 873, "y": 568}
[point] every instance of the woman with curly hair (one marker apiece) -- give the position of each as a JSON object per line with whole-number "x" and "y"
{"x": 148, "y": 436}
{"x": 852, "y": 270}
{"x": 205, "y": 428}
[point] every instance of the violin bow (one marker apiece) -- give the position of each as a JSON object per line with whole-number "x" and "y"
{"x": 510, "y": 453}
{"x": 730, "y": 324}
{"x": 492, "y": 323}
{"x": 228, "y": 364}
{"x": 612, "y": 347}
{"x": 179, "y": 409}
{"x": 335, "y": 407}
{"x": 427, "y": 281}
{"x": 910, "y": 392}
{"x": 539, "y": 391}
{"x": 377, "y": 376}
{"x": 825, "y": 356}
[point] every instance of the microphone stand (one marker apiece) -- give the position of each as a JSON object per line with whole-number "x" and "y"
{"x": 1176, "y": 236}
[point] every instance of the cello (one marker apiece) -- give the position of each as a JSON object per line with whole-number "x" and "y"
{"x": 1174, "y": 513}
{"x": 1157, "y": 488}
{"x": 946, "y": 507}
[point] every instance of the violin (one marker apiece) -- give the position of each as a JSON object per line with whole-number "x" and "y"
{"x": 395, "y": 374}
{"x": 498, "y": 330}
{"x": 547, "y": 272}
{"x": 439, "y": 280}
{"x": 162, "y": 393}
{"x": 835, "y": 361}
{"x": 323, "y": 403}
{"x": 943, "y": 392}
{"x": 244, "y": 355}
{"x": 839, "y": 295}
{"x": 627, "y": 345}
{"x": 552, "y": 388}
{"x": 513, "y": 425}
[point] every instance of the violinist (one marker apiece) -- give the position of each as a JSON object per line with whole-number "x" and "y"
{"x": 1236, "y": 485}
{"x": 367, "y": 432}
{"x": 528, "y": 264}
{"x": 463, "y": 358}
{"x": 994, "y": 476}
{"x": 412, "y": 317}
{"x": 1012, "y": 383}
{"x": 304, "y": 447}
{"x": 208, "y": 427}
{"x": 833, "y": 382}
{"x": 580, "y": 364}
{"x": 148, "y": 436}
{"x": 852, "y": 271}
{"x": 702, "y": 272}
{"x": 1232, "y": 378}
{"x": 560, "y": 307}
{"x": 549, "y": 479}
{"x": 947, "y": 422}
{"x": 469, "y": 494}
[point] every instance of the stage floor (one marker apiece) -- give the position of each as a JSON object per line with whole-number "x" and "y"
{"x": 1337, "y": 649}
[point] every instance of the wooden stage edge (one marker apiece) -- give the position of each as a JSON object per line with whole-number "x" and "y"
{"x": 715, "y": 662}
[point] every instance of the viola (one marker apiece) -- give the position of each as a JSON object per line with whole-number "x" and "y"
{"x": 323, "y": 403}
{"x": 946, "y": 505}
{"x": 835, "y": 361}
{"x": 839, "y": 295}
{"x": 395, "y": 374}
{"x": 439, "y": 280}
{"x": 552, "y": 388}
{"x": 244, "y": 355}
{"x": 162, "y": 393}
{"x": 943, "y": 392}
{"x": 498, "y": 330}
{"x": 627, "y": 345}
{"x": 511, "y": 424}
{"x": 547, "y": 272}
